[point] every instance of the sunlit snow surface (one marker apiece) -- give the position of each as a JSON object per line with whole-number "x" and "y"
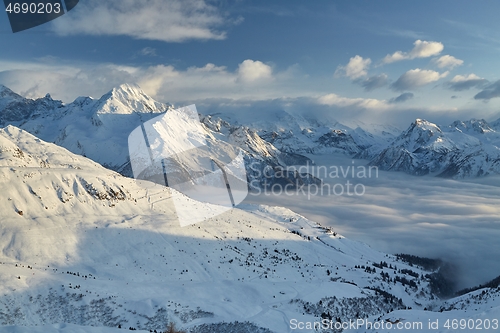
{"x": 82, "y": 245}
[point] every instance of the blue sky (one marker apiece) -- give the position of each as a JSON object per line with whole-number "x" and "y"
{"x": 372, "y": 60}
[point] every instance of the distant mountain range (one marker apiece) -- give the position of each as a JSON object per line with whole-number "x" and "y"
{"x": 99, "y": 128}
{"x": 462, "y": 149}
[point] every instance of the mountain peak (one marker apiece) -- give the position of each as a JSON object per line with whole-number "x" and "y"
{"x": 421, "y": 122}
{"x": 129, "y": 98}
{"x": 127, "y": 89}
{"x": 20, "y": 136}
{"x": 11, "y": 129}
{"x": 421, "y": 133}
{"x": 7, "y": 97}
{"x": 6, "y": 92}
{"x": 425, "y": 125}
{"x": 125, "y": 92}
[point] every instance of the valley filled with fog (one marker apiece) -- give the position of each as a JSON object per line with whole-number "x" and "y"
{"x": 455, "y": 220}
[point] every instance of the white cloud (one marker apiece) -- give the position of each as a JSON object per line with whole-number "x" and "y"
{"x": 466, "y": 82}
{"x": 371, "y": 110}
{"x": 251, "y": 71}
{"x": 169, "y": 21}
{"x": 253, "y": 80}
{"x": 356, "y": 68}
{"x": 463, "y": 78}
{"x": 209, "y": 86}
{"x": 64, "y": 82}
{"x": 363, "y": 103}
{"x": 448, "y": 61}
{"x": 415, "y": 78}
{"x": 396, "y": 56}
{"x": 391, "y": 217}
{"x": 214, "y": 88}
{"x": 422, "y": 49}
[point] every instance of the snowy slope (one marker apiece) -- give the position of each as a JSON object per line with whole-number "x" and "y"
{"x": 84, "y": 246}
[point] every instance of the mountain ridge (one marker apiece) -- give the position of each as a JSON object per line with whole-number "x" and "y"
{"x": 98, "y": 129}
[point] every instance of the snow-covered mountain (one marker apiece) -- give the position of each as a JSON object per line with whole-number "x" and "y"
{"x": 460, "y": 150}
{"x": 85, "y": 246}
{"x": 463, "y": 149}
{"x": 87, "y": 231}
{"x": 99, "y": 129}
{"x": 266, "y": 165}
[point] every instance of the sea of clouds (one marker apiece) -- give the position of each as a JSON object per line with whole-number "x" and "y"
{"x": 455, "y": 220}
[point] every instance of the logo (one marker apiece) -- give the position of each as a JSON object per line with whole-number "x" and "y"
{"x": 25, "y": 15}
{"x": 176, "y": 151}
